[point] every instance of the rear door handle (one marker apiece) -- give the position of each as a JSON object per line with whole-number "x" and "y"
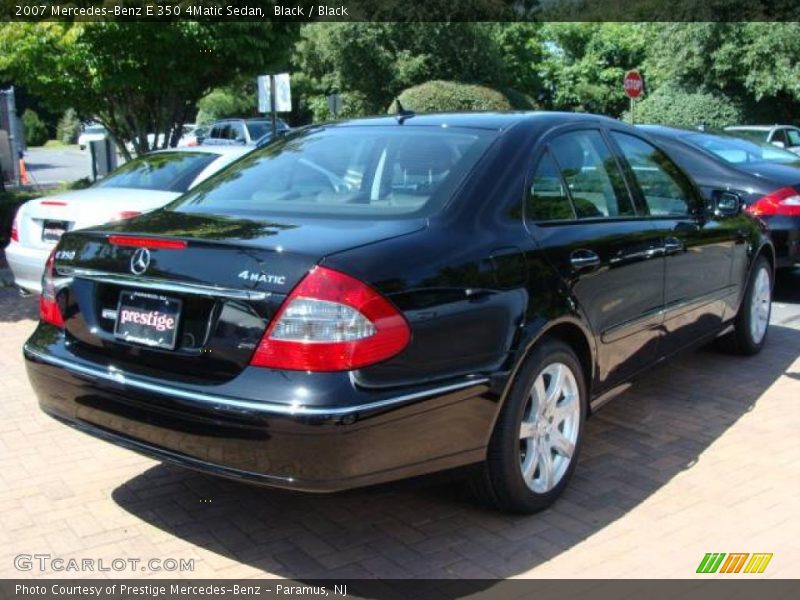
{"x": 584, "y": 260}
{"x": 673, "y": 245}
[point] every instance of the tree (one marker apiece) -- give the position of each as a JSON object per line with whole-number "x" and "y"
{"x": 376, "y": 61}
{"x": 138, "y": 78}
{"x": 754, "y": 63}
{"x": 585, "y": 63}
{"x": 69, "y": 127}
{"x": 238, "y": 100}
{"x": 34, "y": 127}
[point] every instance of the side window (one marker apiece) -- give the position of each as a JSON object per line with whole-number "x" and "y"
{"x": 547, "y": 196}
{"x": 666, "y": 190}
{"x": 593, "y": 179}
{"x": 237, "y": 132}
{"x": 779, "y": 135}
{"x": 215, "y": 132}
{"x": 794, "y": 137}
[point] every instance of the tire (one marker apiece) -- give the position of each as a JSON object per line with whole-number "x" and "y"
{"x": 752, "y": 321}
{"x": 556, "y": 435}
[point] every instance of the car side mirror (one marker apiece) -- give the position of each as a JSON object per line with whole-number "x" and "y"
{"x": 726, "y": 204}
{"x": 779, "y": 144}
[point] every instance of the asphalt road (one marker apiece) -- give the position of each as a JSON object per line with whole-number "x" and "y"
{"x": 48, "y": 166}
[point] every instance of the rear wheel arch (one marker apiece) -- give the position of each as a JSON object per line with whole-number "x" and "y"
{"x": 572, "y": 334}
{"x": 767, "y": 251}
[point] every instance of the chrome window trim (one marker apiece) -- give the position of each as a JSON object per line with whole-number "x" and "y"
{"x": 133, "y": 381}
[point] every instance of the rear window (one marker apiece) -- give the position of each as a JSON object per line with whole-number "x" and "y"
{"x": 167, "y": 171}
{"x": 754, "y": 135}
{"x": 374, "y": 172}
{"x": 737, "y": 151}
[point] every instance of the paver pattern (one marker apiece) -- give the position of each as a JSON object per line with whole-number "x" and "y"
{"x": 701, "y": 455}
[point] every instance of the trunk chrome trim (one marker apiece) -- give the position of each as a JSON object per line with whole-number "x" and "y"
{"x": 133, "y": 381}
{"x": 164, "y": 285}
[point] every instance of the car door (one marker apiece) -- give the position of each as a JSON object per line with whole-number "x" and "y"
{"x": 698, "y": 250}
{"x": 213, "y": 138}
{"x": 237, "y": 134}
{"x": 581, "y": 213}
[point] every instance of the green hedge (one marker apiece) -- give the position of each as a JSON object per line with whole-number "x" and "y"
{"x": 444, "y": 96}
{"x": 673, "y": 106}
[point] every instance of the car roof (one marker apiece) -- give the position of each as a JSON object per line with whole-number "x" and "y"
{"x": 676, "y": 132}
{"x": 478, "y": 120}
{"x": 221, "y": 150}
{"x": 753, "y": 127}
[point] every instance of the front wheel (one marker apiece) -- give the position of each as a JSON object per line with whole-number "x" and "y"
{"x": 538, "y": 434}
{"x": 752, "y": 321}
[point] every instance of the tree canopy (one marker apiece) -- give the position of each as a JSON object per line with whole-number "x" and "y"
{"x": 137, "y": 78}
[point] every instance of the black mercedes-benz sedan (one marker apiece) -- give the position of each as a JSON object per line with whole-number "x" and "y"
{"x": 766, "y": 179}
{"x": 375, "y": 299}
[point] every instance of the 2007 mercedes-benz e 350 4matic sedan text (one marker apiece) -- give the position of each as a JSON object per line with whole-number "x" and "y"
{"x": 376, "y": 299}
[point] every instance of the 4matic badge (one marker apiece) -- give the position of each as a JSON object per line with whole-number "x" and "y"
{"x": 262, "y": 277}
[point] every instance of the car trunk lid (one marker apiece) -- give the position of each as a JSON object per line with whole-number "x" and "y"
{"x": 223, "y": 281}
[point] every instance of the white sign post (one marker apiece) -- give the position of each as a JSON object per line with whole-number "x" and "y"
{"x": 274, "y": 95}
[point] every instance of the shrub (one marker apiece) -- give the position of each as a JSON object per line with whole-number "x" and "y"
{"x": 439, "y": 96}
{"x": 35, "y": 129}
{"x": 69, "y": 127}
{"x": 519, "y": 100}
{"x": 673, "y": 106}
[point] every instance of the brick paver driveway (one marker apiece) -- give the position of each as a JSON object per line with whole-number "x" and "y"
{"x": 702, "y": 455}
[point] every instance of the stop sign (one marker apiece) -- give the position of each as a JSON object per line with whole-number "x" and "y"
{"x": 633, "y": 84}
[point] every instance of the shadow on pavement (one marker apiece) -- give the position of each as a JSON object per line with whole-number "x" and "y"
{"x": 15, "y": 308}
{"x": 634, "y": 446}
{"x": 787, "y": 286}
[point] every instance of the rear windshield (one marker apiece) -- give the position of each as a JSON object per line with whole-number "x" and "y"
{"x": 737, "y": 151}
{"x": 370, "y": 171}
{"x": 754, "y": 135}
{"x": 164, "y": 171}
{"x": 259, "y": 129}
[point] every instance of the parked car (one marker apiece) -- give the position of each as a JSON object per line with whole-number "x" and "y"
{"x": 375, "y": 299}
{"x": 240, "y": 131}
{"x": 782, "y": 136}
{"x": 765, "y": 178}
{"x": 136, "y": 187}
{"x": 92, "y": 132}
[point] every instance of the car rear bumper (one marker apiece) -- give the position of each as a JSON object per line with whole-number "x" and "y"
{"x": 27, "y": 265}
{"x": 785, "y": 234}
{"x": 266, "y": 439}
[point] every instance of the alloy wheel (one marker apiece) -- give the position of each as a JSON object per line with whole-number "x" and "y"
{"x": 549, "y": 428}
{"x": 760, "y": 306}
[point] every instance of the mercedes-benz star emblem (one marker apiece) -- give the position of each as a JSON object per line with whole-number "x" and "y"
{"x": 140, "y": 261}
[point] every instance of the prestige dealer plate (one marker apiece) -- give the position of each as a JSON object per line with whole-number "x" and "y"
{"x": 148, "y": 319}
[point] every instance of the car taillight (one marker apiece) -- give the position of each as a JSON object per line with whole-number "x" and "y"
{"x": 332, "y": 322}
{"x": 49, "y": 311}
{"x": 126, "y": 214}
{"x": 784, "y": 202}
{"x": 15, "y": 227}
